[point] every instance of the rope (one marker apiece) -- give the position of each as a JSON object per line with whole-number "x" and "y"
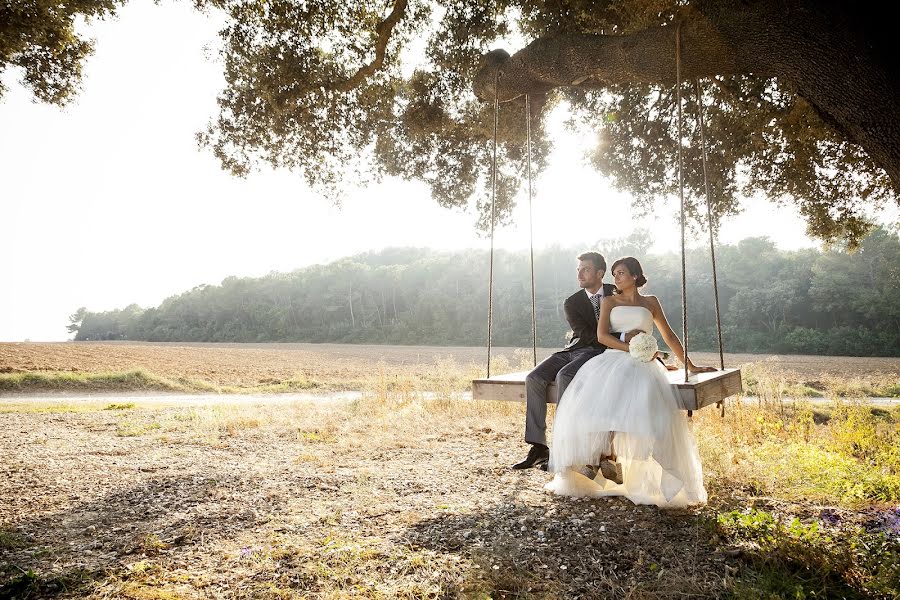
{"x": 709, "y": 219}
{"x": 531, "y": 228}
{"x": 493, "y": 203}
{"x": 684, "y": 319}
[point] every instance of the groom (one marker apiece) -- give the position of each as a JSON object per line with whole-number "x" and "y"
{"x": 582, "y": 312}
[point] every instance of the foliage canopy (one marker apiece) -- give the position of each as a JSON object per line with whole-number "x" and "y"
{"x": 800, "y": 97}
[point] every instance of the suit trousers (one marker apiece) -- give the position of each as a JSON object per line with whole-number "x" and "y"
{"x": 561, "y": 367}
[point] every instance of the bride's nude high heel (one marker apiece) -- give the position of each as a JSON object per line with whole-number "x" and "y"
{"x": 611, "y": 470}
{"x": 610, "y": 467}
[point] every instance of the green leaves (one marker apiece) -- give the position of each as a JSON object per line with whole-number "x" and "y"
{"x": 344, "y": 93}
{"x": 416, "y": 117}
{"x": 40, "y": 37}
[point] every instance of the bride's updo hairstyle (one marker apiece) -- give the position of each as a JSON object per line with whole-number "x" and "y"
{"x": 634, "y": 267}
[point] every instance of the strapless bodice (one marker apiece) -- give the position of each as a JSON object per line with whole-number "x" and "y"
{"x": 628, "y": 318}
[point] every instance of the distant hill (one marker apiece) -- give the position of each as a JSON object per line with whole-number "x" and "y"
{"x": 805, "y": 301}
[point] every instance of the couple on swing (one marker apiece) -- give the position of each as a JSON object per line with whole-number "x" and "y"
{"x": 615, "y": 414}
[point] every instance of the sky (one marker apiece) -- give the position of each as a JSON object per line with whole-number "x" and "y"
{"x": 109, "y": 201}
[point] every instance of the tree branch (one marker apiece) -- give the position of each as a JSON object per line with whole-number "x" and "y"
{"x": 841, "y": 64}
{"x": 384, "y": 30}
{"x": 597, "y": 61}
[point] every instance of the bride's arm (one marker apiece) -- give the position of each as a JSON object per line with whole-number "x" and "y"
{"x": 603, "y": 335}
{"x": 672, "y": 341}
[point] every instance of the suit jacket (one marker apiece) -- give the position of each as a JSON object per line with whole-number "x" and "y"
{"x": 582, "y": 319}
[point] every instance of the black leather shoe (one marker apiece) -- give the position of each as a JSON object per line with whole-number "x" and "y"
{"x": 537, "y": 457}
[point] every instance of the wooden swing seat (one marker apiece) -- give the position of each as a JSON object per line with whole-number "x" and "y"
{"x": 702, "y": 389}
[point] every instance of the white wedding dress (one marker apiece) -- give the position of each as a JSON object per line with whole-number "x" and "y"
{"x": 615, "y": 395}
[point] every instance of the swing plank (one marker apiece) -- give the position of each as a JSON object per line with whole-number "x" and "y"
{"x": 702, "y": 389}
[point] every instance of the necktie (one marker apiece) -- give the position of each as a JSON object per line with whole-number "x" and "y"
{"x": 595, "y": 300}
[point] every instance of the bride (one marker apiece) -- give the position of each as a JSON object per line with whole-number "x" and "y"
{"x": 626, "y": 409}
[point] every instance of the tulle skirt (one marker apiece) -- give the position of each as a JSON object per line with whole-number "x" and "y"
{"x": 617, "y": 404}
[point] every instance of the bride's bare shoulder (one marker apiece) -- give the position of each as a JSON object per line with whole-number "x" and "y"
{"x": 651, "y": 302}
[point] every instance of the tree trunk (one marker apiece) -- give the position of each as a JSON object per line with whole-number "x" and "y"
{"x": 394, "y": 303}
{"x": 352, "y": 319}
{"x": 378, "y": 312}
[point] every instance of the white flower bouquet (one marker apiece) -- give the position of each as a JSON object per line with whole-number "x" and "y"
{"x": 643, "y": 347}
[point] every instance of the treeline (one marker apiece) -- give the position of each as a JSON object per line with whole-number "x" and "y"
{"x": 807, "y": 301}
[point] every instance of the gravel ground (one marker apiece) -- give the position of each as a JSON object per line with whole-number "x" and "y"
{"x": 314, "y": 500}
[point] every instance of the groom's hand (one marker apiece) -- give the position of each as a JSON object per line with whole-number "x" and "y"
{"x": 631, "y": 334}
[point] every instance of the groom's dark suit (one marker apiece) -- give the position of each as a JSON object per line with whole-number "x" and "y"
{"x": 562, "y": 366}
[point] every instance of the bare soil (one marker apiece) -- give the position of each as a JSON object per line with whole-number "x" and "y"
{"x": 245, "y": 365}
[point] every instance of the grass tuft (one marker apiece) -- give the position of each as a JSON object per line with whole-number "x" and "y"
{"x": 137, "y": 379}
{"x": 11, "y": 541}
{"x": 141, "y": 380}
{"x": 792, "y": 559}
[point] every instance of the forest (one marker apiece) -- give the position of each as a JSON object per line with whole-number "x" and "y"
{"x": 831, "y": 302}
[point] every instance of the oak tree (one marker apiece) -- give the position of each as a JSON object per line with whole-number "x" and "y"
{"x": 800, "y": 97}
